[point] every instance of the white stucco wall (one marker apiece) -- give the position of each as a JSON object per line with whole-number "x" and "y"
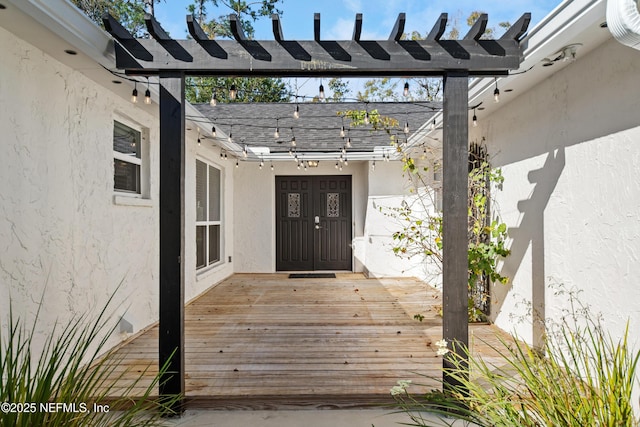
{"x": 64, "y": 236}
{"x": 569, "y": 153}
{"x": 254, "y": 209}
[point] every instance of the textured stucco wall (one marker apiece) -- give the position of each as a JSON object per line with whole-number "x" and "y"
{"x": 569, "y": 152}
{"x": 64, "y": 236}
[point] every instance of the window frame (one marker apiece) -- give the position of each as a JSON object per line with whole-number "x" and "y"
{"x": 208, "y": 223}
{"x": 139, "y": 162}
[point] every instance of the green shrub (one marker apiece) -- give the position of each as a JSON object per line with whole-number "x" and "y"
{"x": 59, "y": 386}
{"x": 582, "y": 377}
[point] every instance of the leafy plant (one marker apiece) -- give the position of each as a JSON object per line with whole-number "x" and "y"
{"x": 582, "y": 377}
{"x": 420, "y": 222}
{"x": 68, "y": 383}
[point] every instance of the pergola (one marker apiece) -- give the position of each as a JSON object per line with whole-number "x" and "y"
{"x": 172, "y": 60}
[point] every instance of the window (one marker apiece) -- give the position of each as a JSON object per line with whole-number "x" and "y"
{"x": 127, "y": 159}
{"x": 208, "y": 219}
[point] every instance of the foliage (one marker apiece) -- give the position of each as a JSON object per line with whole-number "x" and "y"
{"x": 421, "y": 230}
{"x": 582, "y": 378}
{"x": 258, "y": 89}
{"x": 130, "y": 13}
{"x": 339, "y": 89}
{"x": 69, "y": 370}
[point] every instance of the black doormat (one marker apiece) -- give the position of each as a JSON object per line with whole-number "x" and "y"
{"x": 312, "y": 276}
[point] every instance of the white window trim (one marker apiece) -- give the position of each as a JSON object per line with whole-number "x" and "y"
{"x": 120, "y": 197}
{"x": 207, "y": 268}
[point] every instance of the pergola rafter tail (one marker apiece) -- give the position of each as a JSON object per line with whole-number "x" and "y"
{"x": 202, "y": 56}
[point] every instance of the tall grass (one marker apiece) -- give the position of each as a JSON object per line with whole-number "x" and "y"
{"x": 71, "y": 373}
{"x": 582, "y": 377}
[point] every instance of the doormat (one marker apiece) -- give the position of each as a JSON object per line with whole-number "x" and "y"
{"x": 312, "y": 276}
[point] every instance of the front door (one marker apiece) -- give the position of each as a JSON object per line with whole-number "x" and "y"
{"x": 313, "y": 223}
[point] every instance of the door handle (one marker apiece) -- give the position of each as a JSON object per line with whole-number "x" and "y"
{"x": 317, "y": 222}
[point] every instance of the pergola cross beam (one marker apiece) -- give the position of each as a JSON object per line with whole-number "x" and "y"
{"x": 173, "y": 60}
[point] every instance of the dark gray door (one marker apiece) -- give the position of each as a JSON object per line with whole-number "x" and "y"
{"x": 313, "y": 223}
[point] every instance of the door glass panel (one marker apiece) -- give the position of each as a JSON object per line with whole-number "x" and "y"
{"x": 214, "y": 243}
{"x": 294, "y": 205}
{"x": 201, "y": 191}
{"x": 214, "y": 194}
{"x": 333, "y": 205}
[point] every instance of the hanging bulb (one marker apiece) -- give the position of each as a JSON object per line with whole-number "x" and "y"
{"x": 225, "y": 155}
{"x": 348, "y": 144}
{"x": 245, "y": 153}
{"x": 344, "y": 150}
{"x": 296, "y": 112}
{"x": 276, "y": 133}
{"x": 293, "y": 141}
{"x": 373, "y": 165}
{"x": 366, "y": 118}
{"x": 298, "y": 165}
{"x": 337, "y": 165}
{"x": 134, "y": 94}
{"x": 221, "y": 155}
{"x": 346, "y": 162}
{"x": 406, "y": 128}
{"x": 147, "y": 94}
{"x": 230, "y": 138}
{"x": 214, "y": 99}
{"x": 321, "y": 92}
{"x": 261, "y": 163}
{"x": 433, "y": 125}
{"x": 342, "y": 132}
{"x": 340, "y": 168}
{"x": 260, "y": 167}
{"x": 405, "y": 92}
{"x": 233, "y": 92}
{"x": 305, "y": 166}
{"x": 272, "y": 168}
{"x": 199, "y": 142}
{"x": 496, "y": 92}
{"x": 237, "y": 163}
{"x": 291, "y": 152}
{"x": 213, "y": 131}
{"x": 475, "y": 118}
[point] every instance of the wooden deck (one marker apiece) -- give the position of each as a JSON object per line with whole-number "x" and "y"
{"x": 265, "y": 341}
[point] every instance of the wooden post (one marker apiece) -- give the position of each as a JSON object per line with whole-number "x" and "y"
{"x": 455, "y": 220}
{"x": 172, "y": 170}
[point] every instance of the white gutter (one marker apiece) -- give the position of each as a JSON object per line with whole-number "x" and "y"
{"x": 623, "y": 20}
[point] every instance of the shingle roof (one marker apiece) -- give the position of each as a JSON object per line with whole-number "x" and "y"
{"x": 318, "y": 127}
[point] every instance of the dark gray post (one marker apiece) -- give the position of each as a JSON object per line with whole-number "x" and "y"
{"x": 454, "y": 222}
{"x": 172, "y": 169}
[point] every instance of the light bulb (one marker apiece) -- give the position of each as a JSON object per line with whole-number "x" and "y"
{"x": 134, "y": 94}
{"x": 237, "y": 164}
{"x": 406, "y": 127}
{"x": 233, "y": 92}
{"x": 342, "y": 132}
{"x": 213, "y": 131}
{"x": 272, "y": 168}
{"x": 366, "y": 118}
{"x": 199, "y": 142}
{"x": 496, "y": 92}
{"x": 373, "y": 165}
{"x": 475, "y": 119}
{"x": 245, "y": 153}
{"x": 147, "y": 96}
{"x": 293, "y": 141}
{"x": 276, "y": 134}
{"x": 405, "y": 92}
{"x": 214, "y": 99}
{"x": 321, "y": 92}
{"x": 348, "y": 144}
{"x": 296, "y": 112}
{"x": 433, "y": 125}
{"x": 346, "y": 162}
{"x": 337, "y": 165}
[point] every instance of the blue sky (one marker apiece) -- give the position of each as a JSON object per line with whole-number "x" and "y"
{"x": 337, "y": 16}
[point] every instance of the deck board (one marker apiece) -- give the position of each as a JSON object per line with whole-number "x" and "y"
{"x": 266, "y": 341}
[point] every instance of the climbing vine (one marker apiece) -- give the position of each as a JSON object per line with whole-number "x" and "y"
{"x": 419, "y": 217}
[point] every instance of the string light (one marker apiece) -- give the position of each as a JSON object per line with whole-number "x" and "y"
{"x": 276, "y": 134}
{"x": 134, "y": 94}
{"x": 433, "y": 125}
{"x": 261, "y": 162}
{"x": 321, "y": 91}
{"x": 346, "y": 162}
{"x": 373, "y": 165}
{"x": 337, "y": 165}
{"x": 237, "y": 163}
{"x": 496, "y": 92}
{"x": 272, "y": 168}
{"x": 293, "y": 138}
{"x": 291, "y": 152}
{"x": 214, "y": 99}
{"x": 475, "y": 118}
{"x": 147, "y": 94}
{"x": 296, "y": 112}
{"x": 342, "y": 128}
{"x": 199, "y": 142}
{"x": 405, "y": 92}
{"x": 213, "y": 131}
{"x": 245, "y": 152}
{"x": 366, "y": 117}
{"x": 406, "y": 127}
{"x": 233, "y": 92}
